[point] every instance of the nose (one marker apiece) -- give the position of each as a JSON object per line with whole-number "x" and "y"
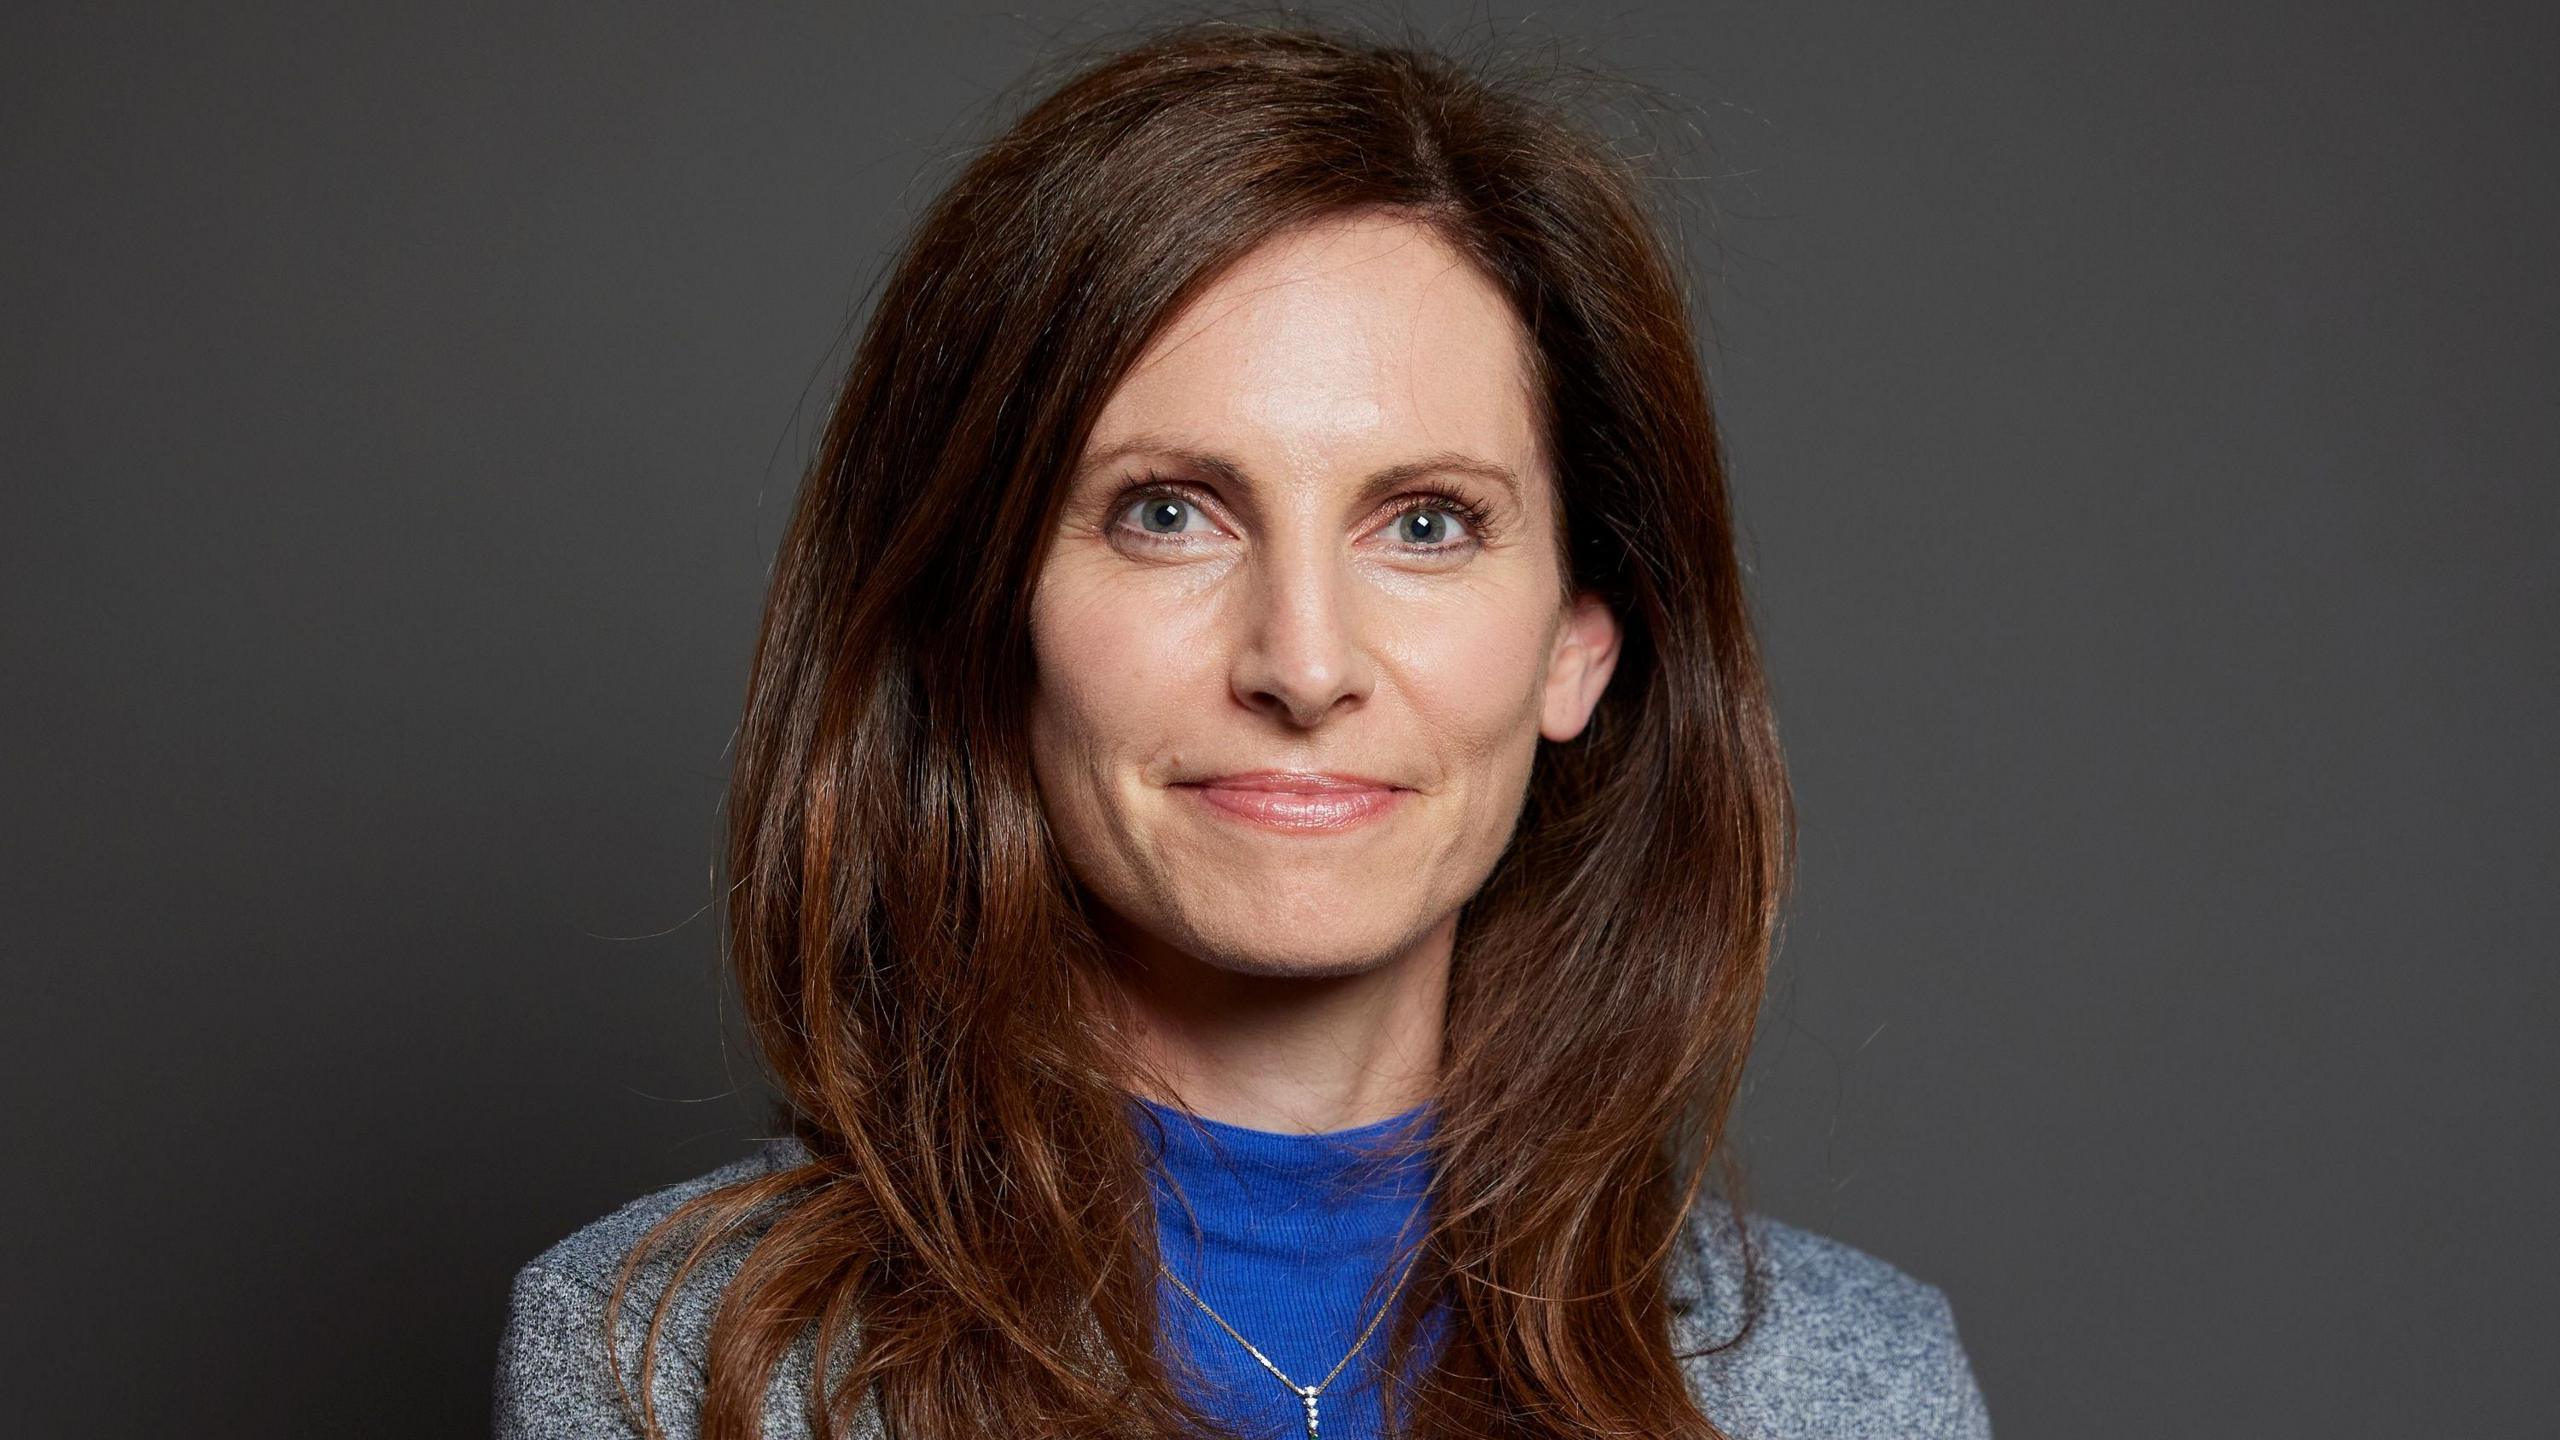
{"x": 1300, "y": 656}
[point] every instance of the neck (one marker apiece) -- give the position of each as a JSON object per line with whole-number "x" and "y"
{"x": 1298, "y": 1054}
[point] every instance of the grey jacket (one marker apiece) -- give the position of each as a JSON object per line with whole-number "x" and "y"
{"x": 1847, "y": 1345}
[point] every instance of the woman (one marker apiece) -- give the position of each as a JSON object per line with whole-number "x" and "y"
{"x": 1257, "y": 829}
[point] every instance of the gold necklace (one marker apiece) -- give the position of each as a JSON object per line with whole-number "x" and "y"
{"x": 1306, "y": 1393}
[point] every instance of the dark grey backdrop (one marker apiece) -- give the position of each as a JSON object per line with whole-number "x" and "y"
{"x": 2143, "y": 420}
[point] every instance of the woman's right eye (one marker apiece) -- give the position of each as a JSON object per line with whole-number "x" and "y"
{"x": 1163, "y": 515}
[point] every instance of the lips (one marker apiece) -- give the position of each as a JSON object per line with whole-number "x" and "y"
{"x": 1298, "y": 800}
{"x": 1304, "y": 782}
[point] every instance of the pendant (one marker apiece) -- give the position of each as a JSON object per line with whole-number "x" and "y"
{"x": 1308, "y": 1394}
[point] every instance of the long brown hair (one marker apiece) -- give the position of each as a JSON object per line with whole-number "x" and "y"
{"x": 934, "y": 1006}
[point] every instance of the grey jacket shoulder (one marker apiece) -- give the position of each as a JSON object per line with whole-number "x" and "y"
{"x": 552, "y": 1375}
{"x": 1844, "y": 1345}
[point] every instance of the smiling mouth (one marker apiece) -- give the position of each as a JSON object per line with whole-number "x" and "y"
{"x": 1305, "y": 804}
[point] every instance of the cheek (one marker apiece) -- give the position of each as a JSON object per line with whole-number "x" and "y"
{"x": 1478, "y": 681}
{"x": 1109, "y": 677}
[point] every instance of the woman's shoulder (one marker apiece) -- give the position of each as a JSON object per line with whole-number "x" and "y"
{"x": 553, "y": 1377}
{"x": 593, "y": 1253}
{"x": 1843, "y": 1342}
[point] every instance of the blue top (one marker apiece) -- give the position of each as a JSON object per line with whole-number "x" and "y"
{"x": 1292, "y": 1232}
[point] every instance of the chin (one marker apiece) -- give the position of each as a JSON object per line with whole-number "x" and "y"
{"x": 1298, "y": 965}
{"x": 1270, "y": 944}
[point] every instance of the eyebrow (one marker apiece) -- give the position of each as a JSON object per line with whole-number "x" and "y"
{"x": 1199, "y": 457}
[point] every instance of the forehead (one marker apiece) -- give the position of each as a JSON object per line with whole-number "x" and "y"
{"x": 1339, "y": 341}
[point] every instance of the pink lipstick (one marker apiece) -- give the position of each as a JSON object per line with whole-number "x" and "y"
{"x": 1299, "y": 800}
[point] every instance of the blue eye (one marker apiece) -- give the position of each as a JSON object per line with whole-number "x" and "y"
{"x": 1426, "y": 526}
{"x": 1162, "y": 514}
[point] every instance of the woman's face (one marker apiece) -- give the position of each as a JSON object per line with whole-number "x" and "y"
{"x": 1291, "y": 547}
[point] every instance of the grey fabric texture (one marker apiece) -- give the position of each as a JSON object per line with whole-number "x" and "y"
{"x": 1846, "y": 1344}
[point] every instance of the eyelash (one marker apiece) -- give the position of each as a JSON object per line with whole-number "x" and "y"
{"x": 1479, "y": 520}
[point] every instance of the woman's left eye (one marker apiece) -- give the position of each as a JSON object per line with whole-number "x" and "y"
{"x": 1427, "y": 526}
{"x": 1423, "y": 526}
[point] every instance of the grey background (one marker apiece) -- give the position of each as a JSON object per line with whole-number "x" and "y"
{"x": 2143, "y": 421}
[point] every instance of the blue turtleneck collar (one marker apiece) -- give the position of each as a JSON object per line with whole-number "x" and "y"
{"x": 1291, "y": 1231}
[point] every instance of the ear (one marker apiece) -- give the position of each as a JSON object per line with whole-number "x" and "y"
{"x": 1586, "y": 650}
